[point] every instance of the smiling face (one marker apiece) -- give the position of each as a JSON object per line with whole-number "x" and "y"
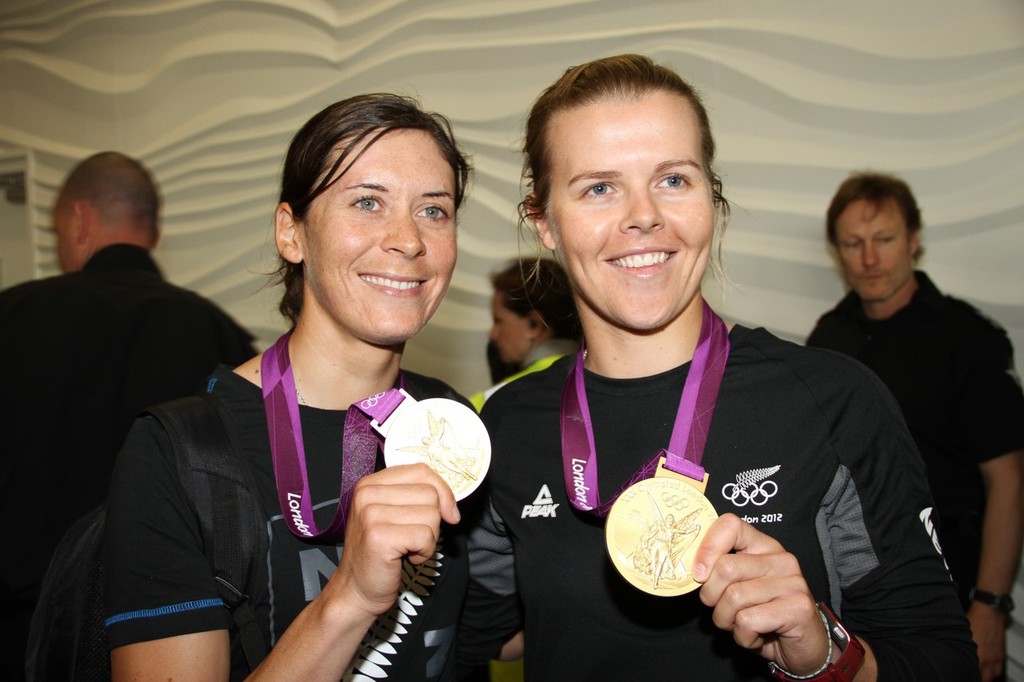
{"x": 630, "y": 212}
{"x": 876, "y": 251}
{"x": 379, "y": 246}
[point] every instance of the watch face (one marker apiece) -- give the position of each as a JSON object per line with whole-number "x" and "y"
{"x": 851, "y": 653}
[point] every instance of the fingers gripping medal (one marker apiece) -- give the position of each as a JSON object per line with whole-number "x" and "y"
{"x": 657, "y": 520}
{"x": 445, "y": 435}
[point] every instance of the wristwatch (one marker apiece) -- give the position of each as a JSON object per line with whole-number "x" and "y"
{"x": 851, "y": 654}
{"x": 1000, "y": 602}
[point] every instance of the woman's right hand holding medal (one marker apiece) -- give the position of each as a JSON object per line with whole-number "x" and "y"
{"x": 758, "y": 593}
{"x": 396, "y": 513}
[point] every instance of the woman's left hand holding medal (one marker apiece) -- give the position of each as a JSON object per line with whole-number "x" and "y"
{"x": 759, "y": 594}
{"x": 396, "y": 514}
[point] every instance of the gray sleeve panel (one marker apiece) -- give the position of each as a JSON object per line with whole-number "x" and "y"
{"x": 491, "y": 613}
{"x": 843, "y": 535}
{"x": 907, "y": 611}
{"x": 491, "y": 560}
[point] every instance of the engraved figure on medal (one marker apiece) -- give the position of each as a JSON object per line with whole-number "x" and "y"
{"x": 653, "y": 531}
{"x": 445, "y": 435}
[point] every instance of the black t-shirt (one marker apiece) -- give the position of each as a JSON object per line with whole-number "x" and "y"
{"x": 159, "y": 581}
{"x": 825, "y": 465}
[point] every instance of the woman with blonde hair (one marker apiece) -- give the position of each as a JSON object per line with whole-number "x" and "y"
{"x": 814, "y": 558}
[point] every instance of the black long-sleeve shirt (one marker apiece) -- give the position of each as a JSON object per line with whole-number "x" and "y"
{"x": 806, "y": 445}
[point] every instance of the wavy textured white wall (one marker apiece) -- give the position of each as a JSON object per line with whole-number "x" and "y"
{"x": 208, "y": 93}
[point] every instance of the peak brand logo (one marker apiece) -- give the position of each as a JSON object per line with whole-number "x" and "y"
{"x": 542, "y": 505}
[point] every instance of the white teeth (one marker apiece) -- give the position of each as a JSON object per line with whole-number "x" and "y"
{"x": 393, "y": 284}
{"x": 642, "y": 260}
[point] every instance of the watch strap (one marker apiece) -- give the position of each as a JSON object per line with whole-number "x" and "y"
{"x": 1002, "y": 603}
{"x": 851, "y": 654}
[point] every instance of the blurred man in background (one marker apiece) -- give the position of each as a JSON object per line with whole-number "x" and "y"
{"x": 80, "y": 355}
{"x": 952, "y": 371}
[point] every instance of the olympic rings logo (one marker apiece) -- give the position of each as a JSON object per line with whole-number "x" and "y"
{"x": 675, "y": 501}
{"x": 752, "y": 493}
{"x": 372, "y": 401}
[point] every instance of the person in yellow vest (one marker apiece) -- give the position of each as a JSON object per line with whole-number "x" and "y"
{"x": 534, "y": 318}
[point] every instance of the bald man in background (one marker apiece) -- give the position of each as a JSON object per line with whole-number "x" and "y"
{"x": 80, "y": 355}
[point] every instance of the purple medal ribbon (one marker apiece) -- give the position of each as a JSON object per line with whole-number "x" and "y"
{"x": 689, "y": 433}
{"x": 359, "y": 445}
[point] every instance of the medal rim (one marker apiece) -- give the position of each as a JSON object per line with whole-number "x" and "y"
{"x": 398, "y": 437}
{"x": 614, "y": 521}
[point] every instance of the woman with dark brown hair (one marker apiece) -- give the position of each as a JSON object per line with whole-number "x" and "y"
{"x": 361, "y": 579}
{"x": 533, "y": 319}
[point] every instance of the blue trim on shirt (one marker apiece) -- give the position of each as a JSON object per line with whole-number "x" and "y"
{"x": 165, "y": 610}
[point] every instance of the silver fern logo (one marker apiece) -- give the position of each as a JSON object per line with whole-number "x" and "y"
{"x": 381, "y": 643}
{"x": 752, "y": 487}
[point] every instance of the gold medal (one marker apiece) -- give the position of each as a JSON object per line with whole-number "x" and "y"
{"x": 653, "y": 530}
{"x": 447, "y": 436}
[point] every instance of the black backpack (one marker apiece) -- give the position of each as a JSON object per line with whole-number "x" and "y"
{"x": 66, "y": 638}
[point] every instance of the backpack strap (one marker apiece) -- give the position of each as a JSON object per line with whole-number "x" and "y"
{"x": 223, "y": 491}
